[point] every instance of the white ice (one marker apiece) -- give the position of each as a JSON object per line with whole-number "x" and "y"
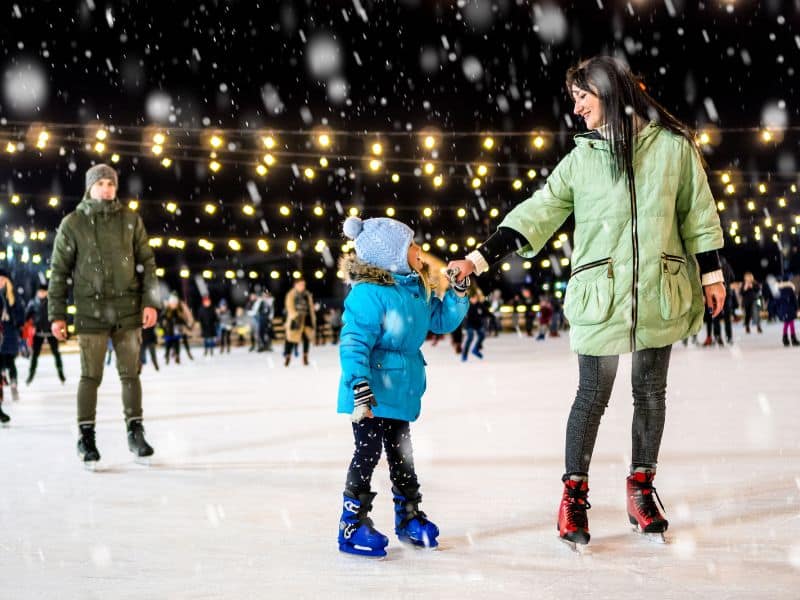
{"x": 243, "y": 497}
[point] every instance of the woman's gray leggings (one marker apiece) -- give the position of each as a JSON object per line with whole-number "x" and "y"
{"x": 597, "y": 373}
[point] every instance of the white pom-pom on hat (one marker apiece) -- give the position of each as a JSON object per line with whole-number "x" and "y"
{"x": 352, "y": 227}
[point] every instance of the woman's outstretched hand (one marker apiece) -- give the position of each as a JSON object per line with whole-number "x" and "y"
{"x": 465, "y": 268}
{"x": 715, "y": 297}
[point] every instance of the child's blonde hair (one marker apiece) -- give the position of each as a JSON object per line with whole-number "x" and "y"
{"x": 429, "y": 280}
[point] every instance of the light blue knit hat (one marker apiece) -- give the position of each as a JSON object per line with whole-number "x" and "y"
{"x": 381, "y": 242}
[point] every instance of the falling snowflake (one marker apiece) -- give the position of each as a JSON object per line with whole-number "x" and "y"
{"x": 473, "y": 70}
{"x": 324, "y": 56}
{"x": 25, "y": 86}
{"x": 158, "y": 106}
{"x": 550, "y": 23}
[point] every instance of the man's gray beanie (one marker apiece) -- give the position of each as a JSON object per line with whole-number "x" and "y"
{"x": 98, "y": 172}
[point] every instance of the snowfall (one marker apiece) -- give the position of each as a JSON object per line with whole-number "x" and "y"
{"x": 243, "y": 496}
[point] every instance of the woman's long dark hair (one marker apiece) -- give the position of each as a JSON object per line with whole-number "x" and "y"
{"x": 623, "y": 97}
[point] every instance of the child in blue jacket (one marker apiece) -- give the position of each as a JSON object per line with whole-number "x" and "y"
{"x": 387, "y": 316}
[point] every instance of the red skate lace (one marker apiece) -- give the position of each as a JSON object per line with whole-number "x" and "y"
{"x": 577, "y": 507}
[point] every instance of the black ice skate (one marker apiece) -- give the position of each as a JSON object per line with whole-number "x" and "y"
{"x": 87, "y": 448}
{"x": 137, "y": 444}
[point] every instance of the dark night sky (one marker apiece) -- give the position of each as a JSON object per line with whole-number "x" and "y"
{"x": 379, "y": 66}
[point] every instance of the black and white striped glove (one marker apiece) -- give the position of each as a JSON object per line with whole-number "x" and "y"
{"x": 363, "y": 401}
{"x": 460, "y": 287}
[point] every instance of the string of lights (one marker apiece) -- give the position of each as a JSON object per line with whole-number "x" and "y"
{"x": 477, "y": 173}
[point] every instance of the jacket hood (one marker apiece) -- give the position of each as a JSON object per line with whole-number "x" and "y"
{"x": 591, "y": 139}
{"x": 357, "y": 271}
{"x": 90, "y": 207}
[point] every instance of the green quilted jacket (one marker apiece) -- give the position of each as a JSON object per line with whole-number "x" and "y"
{"x": 635, "y": 283}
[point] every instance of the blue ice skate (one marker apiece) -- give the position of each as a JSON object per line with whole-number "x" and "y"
{"x": 356, "y": 532}
{"x": 410, "y": 524}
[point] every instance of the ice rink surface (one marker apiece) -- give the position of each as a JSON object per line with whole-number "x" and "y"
{"x": 243, "y": 497}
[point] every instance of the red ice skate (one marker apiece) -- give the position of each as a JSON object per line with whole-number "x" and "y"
{"x": 573, "y": 525}
{"x": 643, "y": 511}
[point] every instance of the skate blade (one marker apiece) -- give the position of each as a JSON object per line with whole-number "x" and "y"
{"x": 425, "y": 546}
{"x": 363, "y": 551}
{"x": 580, "y": 549}
{"x": 655, "y": 538}
{"x": 144, "y": 461}
{"x": 91, "y": 465}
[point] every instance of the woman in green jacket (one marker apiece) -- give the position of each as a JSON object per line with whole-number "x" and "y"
{"x": 645, "y": 262}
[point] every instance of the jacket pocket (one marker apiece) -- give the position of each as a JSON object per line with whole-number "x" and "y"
{"x": 390, "y": 382}
{"x": 386, "y": 361}
{"x": 676, "y": 289}
{"x": 590, "y": 293}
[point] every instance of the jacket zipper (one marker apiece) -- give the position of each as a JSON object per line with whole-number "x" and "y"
{"x": 673, "y": 257}
{"x": 635, "y": 278}
{"x": 595, "y": 264}
{"x": 667, "y": 258}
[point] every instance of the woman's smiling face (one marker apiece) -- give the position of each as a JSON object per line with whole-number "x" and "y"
{"x": 587, "y": 106}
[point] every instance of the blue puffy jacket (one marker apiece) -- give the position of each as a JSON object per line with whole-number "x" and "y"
{"x": 386, "y": 320}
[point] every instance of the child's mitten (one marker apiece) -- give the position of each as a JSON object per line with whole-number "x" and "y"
{"x": 459, "y": 287}
{"x": 363, "y": 401}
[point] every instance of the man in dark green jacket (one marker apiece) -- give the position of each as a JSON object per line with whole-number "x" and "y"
{"x": 102, "y": 251}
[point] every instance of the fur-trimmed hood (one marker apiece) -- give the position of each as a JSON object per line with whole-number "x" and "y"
{"x": 357, "y": 271}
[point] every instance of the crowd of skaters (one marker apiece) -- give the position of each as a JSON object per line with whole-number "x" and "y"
{"x": 220, "y": 326}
